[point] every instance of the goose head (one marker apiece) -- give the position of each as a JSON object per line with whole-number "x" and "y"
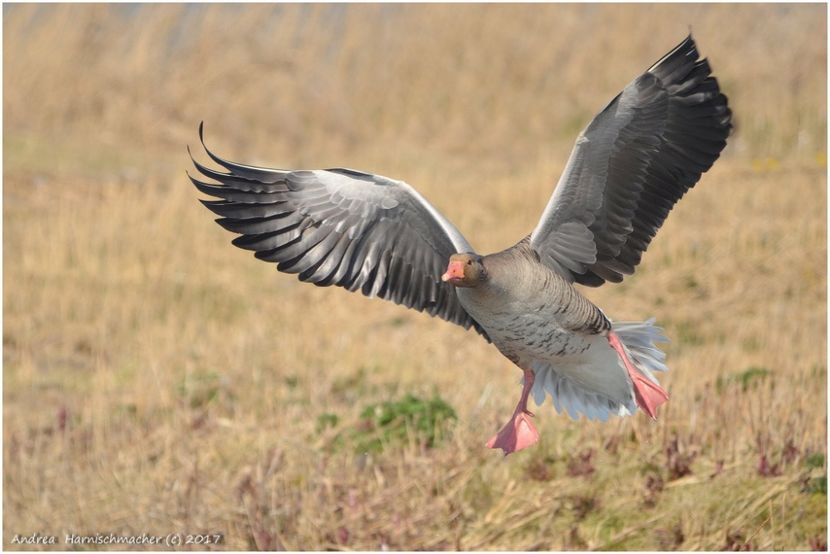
{"x": 465, "y": 270}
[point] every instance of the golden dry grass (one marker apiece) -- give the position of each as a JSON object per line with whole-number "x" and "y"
{"x": 158, "y": 380}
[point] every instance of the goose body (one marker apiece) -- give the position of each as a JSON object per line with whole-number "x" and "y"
{"x": 539, "y": 321}
{"x": 379, "y": 236}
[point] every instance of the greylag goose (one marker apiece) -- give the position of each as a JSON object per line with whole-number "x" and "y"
{"x": 379, "y": 236}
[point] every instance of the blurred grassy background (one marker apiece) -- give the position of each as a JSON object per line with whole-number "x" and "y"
{"x": 156, "y": 379}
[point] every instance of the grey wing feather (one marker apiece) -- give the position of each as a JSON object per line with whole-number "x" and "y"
{"x": 629, "y": 167}
{"x": 341, "y": 227}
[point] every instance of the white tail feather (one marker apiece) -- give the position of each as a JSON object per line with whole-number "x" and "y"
{"x": 577, "y": 398}
{"x": 638, "y": 339}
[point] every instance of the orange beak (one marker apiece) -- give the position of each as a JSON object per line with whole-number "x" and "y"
{"x": 455, "y": 271}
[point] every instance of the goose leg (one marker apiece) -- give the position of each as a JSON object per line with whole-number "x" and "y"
{"x": 519, "y": 432}
{"x": 648, "y": 394}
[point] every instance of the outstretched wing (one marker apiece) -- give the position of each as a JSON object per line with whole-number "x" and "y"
{"x": 341, "y": 227}
{"x": 629, "y": 167}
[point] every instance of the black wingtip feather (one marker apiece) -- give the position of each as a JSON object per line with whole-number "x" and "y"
{"x": 211, "y": 190}
{"x": 215, "y": 206}
{"x": 683, "y": 53}
{"x": 266, "y": 175}
{"x": 213, "y": 156}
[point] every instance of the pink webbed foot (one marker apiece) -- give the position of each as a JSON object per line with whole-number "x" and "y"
{"x": 519, "y": 433}
{"x": 648, "y": 394}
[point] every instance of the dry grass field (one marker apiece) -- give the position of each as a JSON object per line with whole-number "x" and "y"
{"x": 159, "y": 380}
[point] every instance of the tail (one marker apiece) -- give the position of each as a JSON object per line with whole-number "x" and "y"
{"x": 614, "y": 380}
{"x": 639, "y": 338}
{"x": 642, "y": 358}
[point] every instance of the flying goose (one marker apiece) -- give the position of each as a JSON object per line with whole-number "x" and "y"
{"x": 379, "y": 236}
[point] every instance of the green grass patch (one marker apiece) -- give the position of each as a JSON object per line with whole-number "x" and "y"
{"x": 327, "y": 420}
{"x": 390, "y": 423}
{"x": 817, "y": 485}
{"x": 199, "y": 389}
{"x": 747, "y": 378}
